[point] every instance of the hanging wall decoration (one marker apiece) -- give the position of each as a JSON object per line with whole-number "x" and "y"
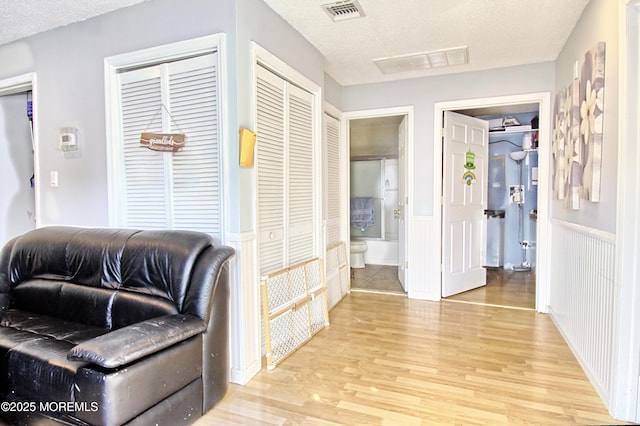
{"x": 247, "y": 145}
{"x": 591, "y": 120}
{"x": 558, "y": 144}
{"x": 573, "y": 149}
{"x": 468, "y": 176}
{"x": 163, "y": 142}
{"x": 577, "y": 133}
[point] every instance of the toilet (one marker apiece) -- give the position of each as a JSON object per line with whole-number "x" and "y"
{"x": 357, "y": 253}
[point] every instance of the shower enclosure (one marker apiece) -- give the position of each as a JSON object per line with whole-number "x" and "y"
{"x": 377, "y": 178}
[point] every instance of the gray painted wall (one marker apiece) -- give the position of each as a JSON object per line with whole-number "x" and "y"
{"x": 332, "y": 92}
{"x": 422, "y": 93}
{"x": 70, "y": 84}
{"x": 70, "y": 92}
{"x": 599, "y": 22}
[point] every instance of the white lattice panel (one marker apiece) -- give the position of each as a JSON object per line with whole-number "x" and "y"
{"x": 278, "y": 294}
{"x": 334, "y": 293}
{"x": 338, "y": 280}
{"x": 294, "y": 306}
{"x": 314, "y": 276}
{"x": 345, "y": 281}
{"x": 342, "y": 254}
{"x": 289, "y": 331}
{"x": 331, "y": 259}
{"x": 317, "y": 309}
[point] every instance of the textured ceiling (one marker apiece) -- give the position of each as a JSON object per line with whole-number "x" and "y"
{"x": 498, "y": 33}
{"x": 22, "y": 18}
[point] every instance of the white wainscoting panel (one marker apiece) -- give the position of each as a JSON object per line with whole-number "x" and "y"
{"x": 245, "y": 333}
{"x": 583, "y": 297}
{"x": 424, "y": 262}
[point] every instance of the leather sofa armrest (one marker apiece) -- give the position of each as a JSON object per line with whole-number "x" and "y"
{"x": 130, "y": 343}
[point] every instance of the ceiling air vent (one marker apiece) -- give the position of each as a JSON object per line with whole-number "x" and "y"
{"x": 343, "y": 10}
{"x": 424, "y": 60}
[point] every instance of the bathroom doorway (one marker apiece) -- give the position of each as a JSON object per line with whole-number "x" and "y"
{"x": 377, "y": 195}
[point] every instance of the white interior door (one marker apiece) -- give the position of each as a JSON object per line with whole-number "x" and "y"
{"x": 465, "y": 152}
{"x": 401, "y": 212}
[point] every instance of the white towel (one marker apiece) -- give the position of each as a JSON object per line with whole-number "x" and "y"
{"x": 362, "y": 213}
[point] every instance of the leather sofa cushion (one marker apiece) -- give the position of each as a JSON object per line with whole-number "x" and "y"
{"x": 99, "y": 307}
{"x": 39, "y": 368}
{"x": 32, "y": 325}
{"x": 152, "y": 263}
{"x": 34, "y": 352}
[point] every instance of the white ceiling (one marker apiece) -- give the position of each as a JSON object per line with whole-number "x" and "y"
{"x": 22, "y": 18}
{"x": 498, "y": 33}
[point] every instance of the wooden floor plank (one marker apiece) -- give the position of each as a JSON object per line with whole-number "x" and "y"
{"x": 504, "y": 288}
{"x": 389, "y": 360}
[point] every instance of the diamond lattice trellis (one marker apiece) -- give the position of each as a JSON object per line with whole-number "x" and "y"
{"x": 294, "y": 307}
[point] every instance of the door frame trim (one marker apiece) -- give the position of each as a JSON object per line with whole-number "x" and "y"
{"x": 624, "y": 399}
{"x": 543, "y": 99}
{"x": 373, "y": 113}
{"x": 19, "y": 84}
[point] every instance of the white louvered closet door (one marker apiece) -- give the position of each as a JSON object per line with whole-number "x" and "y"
{"x": 144, "y": 198}
{"x": 196, "y": 195}
{"x": 285, "y": 173}
{"x": 270, "y": 169}
{"x": 179, "y": 190}
{"x": 334, "y": 207}
{"x": 300, "y": 176}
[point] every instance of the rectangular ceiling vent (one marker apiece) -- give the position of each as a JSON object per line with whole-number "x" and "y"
{"x": 422, "y": 61}
{"x": 343, "y": 10}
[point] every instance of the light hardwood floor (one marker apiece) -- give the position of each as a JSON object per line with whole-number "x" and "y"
{"x": 389, "y": 360}
{"x": 504, "y": 288}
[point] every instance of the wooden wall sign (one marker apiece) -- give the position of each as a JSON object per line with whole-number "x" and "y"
{"x": 164, "y": 142}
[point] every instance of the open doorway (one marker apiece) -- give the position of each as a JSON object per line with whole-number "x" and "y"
{"x": 533, "y": 292}
{"x": 377, "y": 196}
{"x": 511, "y": 210}
{"x": 17, "y": 163}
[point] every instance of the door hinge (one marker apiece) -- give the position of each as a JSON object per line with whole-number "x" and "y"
{"x": 406, "y": 264}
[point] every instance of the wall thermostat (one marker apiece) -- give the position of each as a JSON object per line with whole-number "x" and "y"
{"x": 68, "y": 139}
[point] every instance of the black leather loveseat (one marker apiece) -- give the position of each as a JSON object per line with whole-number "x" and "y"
{"x": 112, "y": 326}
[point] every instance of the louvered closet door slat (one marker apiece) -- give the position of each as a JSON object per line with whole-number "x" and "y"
{"x": 193, "y": 106}
{"x": 144, "y": 196}
{"x": 270, "y": 146}
{"x": 332, "y": 129}
{"x": 301, "y": 179}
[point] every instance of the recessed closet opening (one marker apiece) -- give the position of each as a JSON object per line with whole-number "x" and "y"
{"x": 17, "y": 158}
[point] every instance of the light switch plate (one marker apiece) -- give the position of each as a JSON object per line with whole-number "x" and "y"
{"x": 53, "y": 179}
